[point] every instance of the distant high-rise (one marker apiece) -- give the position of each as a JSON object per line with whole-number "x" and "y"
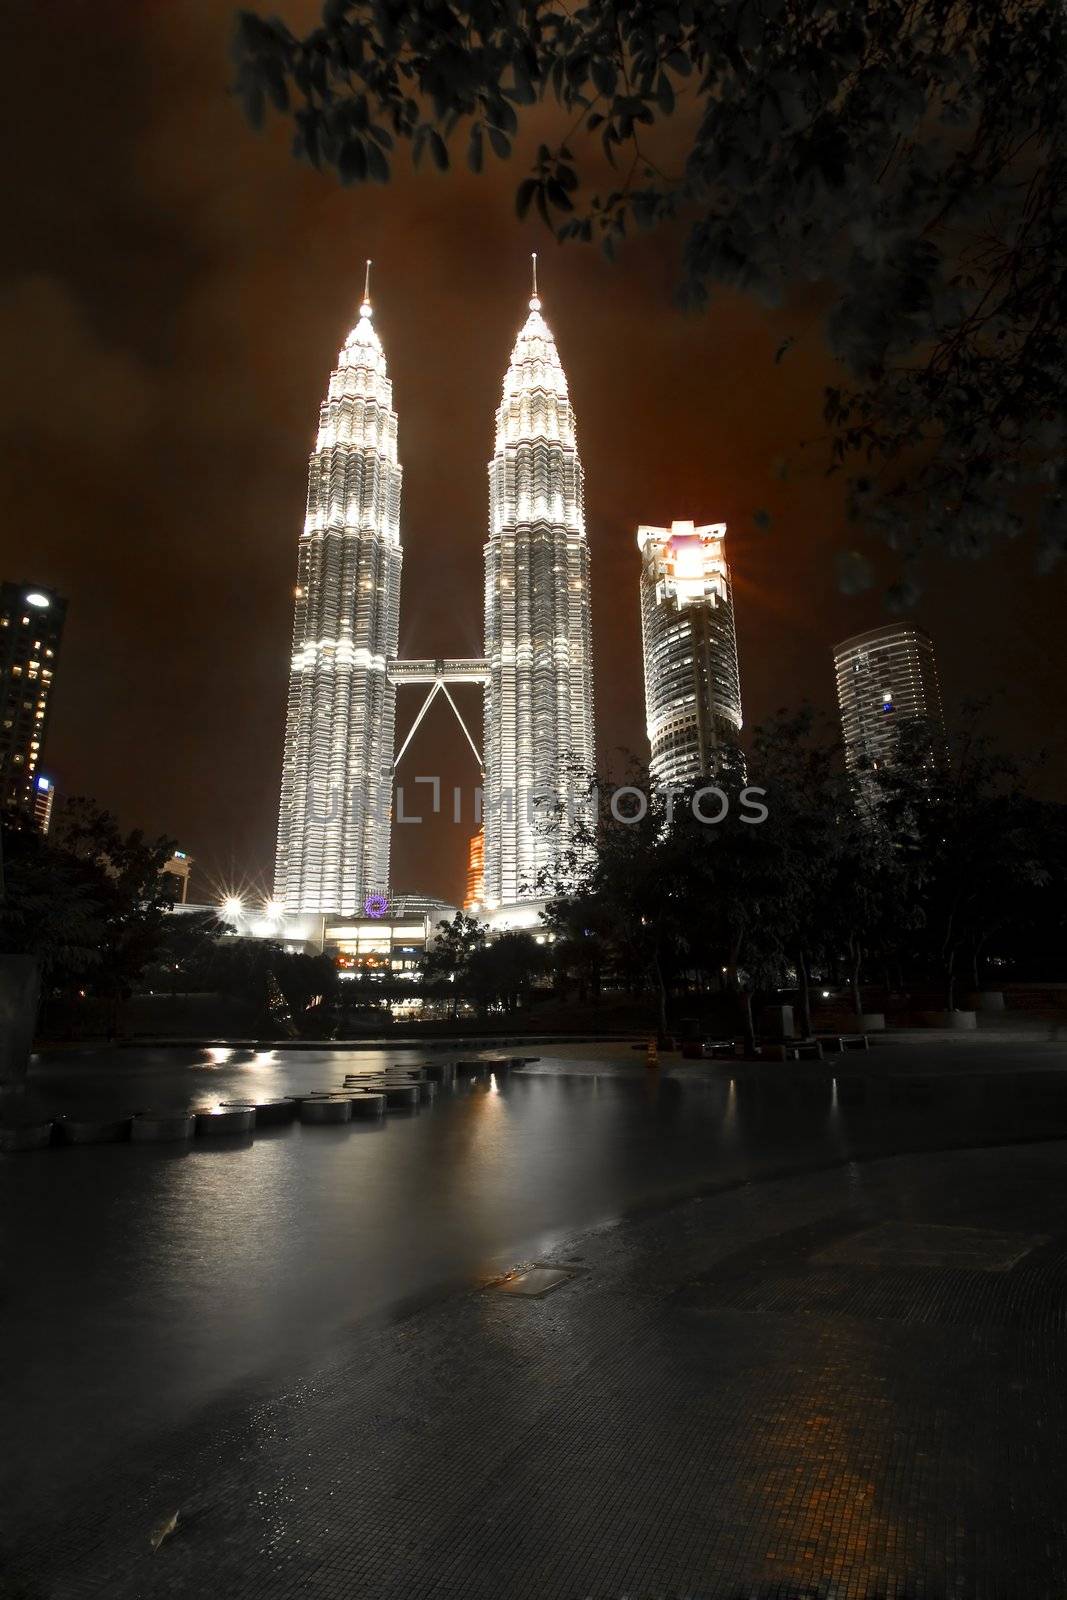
{"x": 886, "y": 677}
{"x": 31, "y": 628}
{"x": 336, "y": 801}
{"x": 538, "y": 643}
{"x": 175, "y": 875}
{"x": 692, "y": 684}
{"x": 44, "y": 798}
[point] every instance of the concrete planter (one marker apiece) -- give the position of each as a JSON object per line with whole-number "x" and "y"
{"x": 955, "y": 1021}
{"x": 18, "y": 1136}
{"x": 400, "y": 1096}
{"x": 229, "y": 1120}
{"x": 269, "y": 1113}
{"x": 368, "y": 1105}
{"x": 318, "y": 1112}
{"x": 78, "y": 1130}
{"x": 871, "y": 1022}
{"x": 166, "y": 1128}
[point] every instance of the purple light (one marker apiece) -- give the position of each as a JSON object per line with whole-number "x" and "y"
{"x": 375, "y": 905}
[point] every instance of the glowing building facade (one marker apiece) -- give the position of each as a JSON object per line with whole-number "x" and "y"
{"x": 886, "y": 677}
{"x": 538, "y": 647}
{"x": 692, "y": 684}
{"x": 336, "y": 800}
{"x": 475, "y": 892}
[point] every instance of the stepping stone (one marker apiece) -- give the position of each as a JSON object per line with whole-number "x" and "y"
{"x": 150, "y": 1127}
{"x": 16, "y": 1136}
{"x": 326, "y": 1111}
{"x": 228, "y": 1120}
{"x": 81, "y": 1130}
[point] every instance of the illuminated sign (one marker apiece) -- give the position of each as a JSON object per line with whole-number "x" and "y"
{"x": 375, "y": 905}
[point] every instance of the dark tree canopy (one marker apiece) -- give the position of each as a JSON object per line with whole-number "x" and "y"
{"x": 930, "y": 873}
{"x": 908, "y": 156}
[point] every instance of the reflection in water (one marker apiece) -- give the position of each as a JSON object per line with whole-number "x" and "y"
{"x": 729, "y": 1116}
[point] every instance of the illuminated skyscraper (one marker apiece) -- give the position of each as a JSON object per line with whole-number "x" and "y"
{"x": 886, "y": 677}
{"x": 334, "y": 820}
{"x": 31, "y": 627}
{"x": 692, "y": 685}
{"x": 539, "y": 691}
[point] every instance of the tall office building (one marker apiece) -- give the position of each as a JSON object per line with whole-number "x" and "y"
{"x": 886, "y": 677}
{"x": 538, "y": 645}
{"x": 692, "y": 684}
{"x": 31, "y": 628}
{"x": 336, "y": 801}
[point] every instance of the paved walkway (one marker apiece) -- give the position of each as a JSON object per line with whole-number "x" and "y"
{"x": 845, "y": 1385}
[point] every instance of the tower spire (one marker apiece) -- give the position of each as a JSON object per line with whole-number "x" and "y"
{"x": 365, "y": 308}
{"x": 535, "y": 301}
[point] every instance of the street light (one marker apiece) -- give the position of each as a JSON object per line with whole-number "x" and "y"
{"x": 232, "y": 907}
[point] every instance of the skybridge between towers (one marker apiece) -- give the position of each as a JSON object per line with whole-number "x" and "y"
{"x": 438, "y": 672}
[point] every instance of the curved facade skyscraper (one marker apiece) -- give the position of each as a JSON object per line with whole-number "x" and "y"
{"x": 887, "y": 677}
{"x": 692, "y": 683}
{"x": 335, "y": 814}
{"x": 538, "y": 644}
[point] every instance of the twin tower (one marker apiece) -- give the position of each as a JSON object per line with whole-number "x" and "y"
{"x": 337, "y": 772}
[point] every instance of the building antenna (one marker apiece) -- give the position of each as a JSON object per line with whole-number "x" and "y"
{"x": 533, "y": 265}
{"x": 366, "y": 284}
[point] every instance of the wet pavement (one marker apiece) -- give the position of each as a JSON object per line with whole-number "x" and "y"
{"x": 287, "y": 1339}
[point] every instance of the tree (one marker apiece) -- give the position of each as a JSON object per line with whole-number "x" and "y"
{"x": 188, "y": 947}
{"x": 89, "y": 901}
{"x": 910, "y": 159}
{"x": 968, "y": 845}
{"x": 800, "y": 762}
{"x": 50, "y": 909}
{"x": 446, "y": 961}
{"x": 671, "y": 892}
{"x": 504, "y": 971}
{"x": 738, "y": 890}
{"x": 130, "y": 892}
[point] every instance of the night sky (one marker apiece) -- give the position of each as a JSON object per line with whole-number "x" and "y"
{"x": 177, "y": 290}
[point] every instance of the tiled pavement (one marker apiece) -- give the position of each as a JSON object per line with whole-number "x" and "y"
{"x": 745, "y": 1395}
